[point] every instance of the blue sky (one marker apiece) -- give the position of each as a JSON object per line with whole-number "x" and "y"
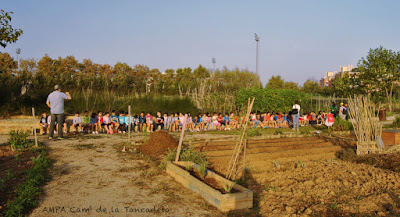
{"x": 298, "y": 39}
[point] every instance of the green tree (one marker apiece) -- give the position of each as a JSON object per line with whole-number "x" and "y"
{"x": 8, "y": 34}
{"x": 311, "y": 86}
{"x": 275, "y": 82}
{"x": 345, "y": 85}
{"x": 379, "y": 73}
{"x": 290, "y": 85}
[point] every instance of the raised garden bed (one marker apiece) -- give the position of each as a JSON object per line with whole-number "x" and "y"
{"x": 238, "y": 198}
{"x": 391, "y": 137}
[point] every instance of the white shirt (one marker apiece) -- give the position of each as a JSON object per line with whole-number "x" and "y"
{"x": 297, "y": 106}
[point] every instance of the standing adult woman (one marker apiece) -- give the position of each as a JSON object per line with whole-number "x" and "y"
{"x": 296, "y": 115}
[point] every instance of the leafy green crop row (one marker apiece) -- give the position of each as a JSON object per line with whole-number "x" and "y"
{"x": 29, "y": 189}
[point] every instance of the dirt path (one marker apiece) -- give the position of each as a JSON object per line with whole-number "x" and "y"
{"x": 90, "y": 178}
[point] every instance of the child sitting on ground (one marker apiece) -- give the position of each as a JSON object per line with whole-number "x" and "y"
{"x": 77, "y": 123}
{"x": 149, "y": 121}
{"x": 44, "y": 123}
{"x": 107, "y": 123}
{"x": 85, "y": 121}
{"x": 142, "y": 122}
{"x": 114, "y": 121}
{"x": 93, "y": 123}
{"x": 121, "y": 121}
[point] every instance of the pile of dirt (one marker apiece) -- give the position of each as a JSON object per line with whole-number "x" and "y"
{"x": 158, "y": 144}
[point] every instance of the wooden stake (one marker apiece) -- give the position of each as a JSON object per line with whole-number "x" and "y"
{"x": 178, "y": 152}
{"x": 34, "y": 127}
{"x": 129, "y": 127}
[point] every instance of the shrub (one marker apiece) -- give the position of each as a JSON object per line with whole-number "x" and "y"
{"x": 396, "y": 123}
{"x": 342, "y": 125}
{"x": 18, "y": 140}
{"x": 278, "y": 131}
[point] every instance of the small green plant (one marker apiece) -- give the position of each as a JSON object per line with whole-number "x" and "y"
{"x": 277, "y": 165}
{"x": 8, "y": 176}
{"x": 202, "y": 170}
{"x": 18, "y": 140}
{"x": 2, "y": 185}
{"x": 189, "y": 167}
{"x": 187, "y": 154}
{"x": 228, "y": 187}
{"x": 254, "y": 132}
{"x": 278, "y": 132}
{"x": 269, "y": 187}
{"x": 17, "y": 158}
{"x": 242, "y": 182}
{"x": 300, "y": 164}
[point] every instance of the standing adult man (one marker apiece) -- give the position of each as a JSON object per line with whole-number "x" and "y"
{"x": 55, "y": 101}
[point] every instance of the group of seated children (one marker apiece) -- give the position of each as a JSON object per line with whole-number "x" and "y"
{"x": 122, "y": 122}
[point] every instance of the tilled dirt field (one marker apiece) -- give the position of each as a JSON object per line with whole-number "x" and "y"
{"x": 302, "y": 177}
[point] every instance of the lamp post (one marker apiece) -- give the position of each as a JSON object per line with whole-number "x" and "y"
{"x": 213, "y": 61}
{"x": 257, "y": 39}
{"x": 18, "y": 51}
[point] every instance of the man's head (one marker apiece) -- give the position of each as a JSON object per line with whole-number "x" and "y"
{"x": 57, "y": 87}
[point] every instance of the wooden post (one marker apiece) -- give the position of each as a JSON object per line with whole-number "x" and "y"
{"x": 244, "y": 158}
{"x": 178, "y": 152}
{"x": 34, "y": 127}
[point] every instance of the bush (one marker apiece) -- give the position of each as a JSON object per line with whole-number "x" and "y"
{"x": 18, "y": 140}
{"x": 272, "y": 99}
{"x": 342, "y": 125}
{"x": 187, "y": 154}
{"x": 396, "y": 123}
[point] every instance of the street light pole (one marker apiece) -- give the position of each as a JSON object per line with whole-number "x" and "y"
{"x": 213, "y": 61}
{"x": 257, "y": 39}
{"x": 18, "y": 51}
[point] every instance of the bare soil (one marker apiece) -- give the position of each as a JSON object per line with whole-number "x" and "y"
{"x": 302, "y": 177}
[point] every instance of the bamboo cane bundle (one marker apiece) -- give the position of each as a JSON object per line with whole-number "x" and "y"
{"x": 364, "y": 120}
{"x": 233, "y": 163}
